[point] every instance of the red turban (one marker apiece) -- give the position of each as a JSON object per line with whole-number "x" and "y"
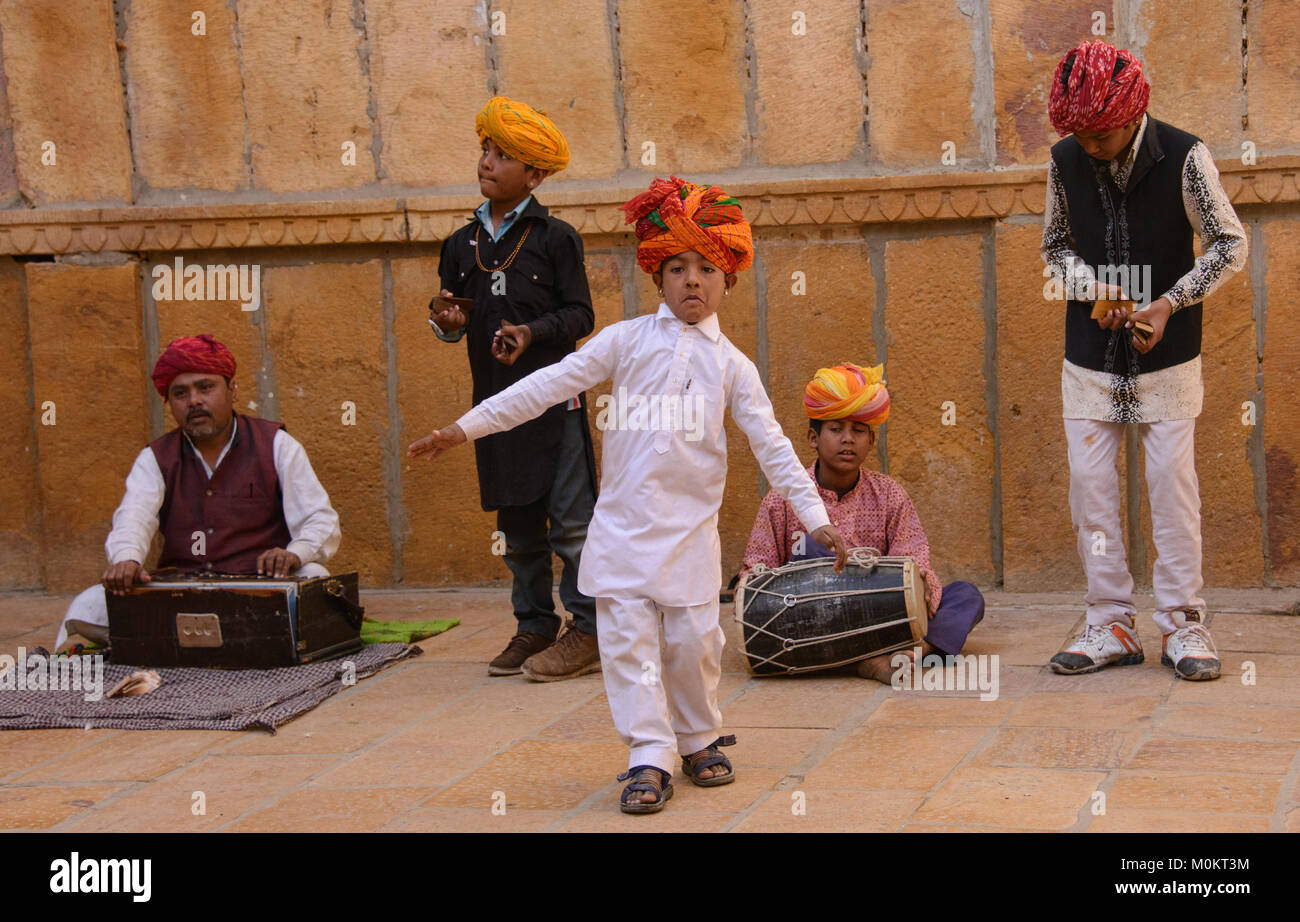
{"x": 674, "y": 216}
{"x": 1089, "y": 94}
{"x": 199, "y": 354}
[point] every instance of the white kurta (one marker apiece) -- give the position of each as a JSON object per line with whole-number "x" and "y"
{"x": 654, "y": 532}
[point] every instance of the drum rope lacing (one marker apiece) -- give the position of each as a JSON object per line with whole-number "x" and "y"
{"x": 867, "y": 557}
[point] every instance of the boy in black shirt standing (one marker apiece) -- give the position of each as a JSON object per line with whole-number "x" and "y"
{"x": 524, "y": 271}
{"x": 1126, "y": 195}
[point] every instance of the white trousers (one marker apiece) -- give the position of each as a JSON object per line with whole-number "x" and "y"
{"x": 1175, "y": 498}
{"x": 91, "y": 606}
{"x": 661, "y": 705}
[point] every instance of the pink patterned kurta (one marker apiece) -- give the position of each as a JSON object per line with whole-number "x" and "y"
{"x": 877, "y": 513}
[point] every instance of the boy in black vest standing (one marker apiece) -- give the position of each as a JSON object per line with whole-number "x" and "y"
{"x": 524, "y": 272}
{"x": 1125, "y": 195}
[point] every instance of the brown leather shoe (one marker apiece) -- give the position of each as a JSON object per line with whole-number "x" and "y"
{"x": 574, "y": 654}
{"x": 521, "y": 647}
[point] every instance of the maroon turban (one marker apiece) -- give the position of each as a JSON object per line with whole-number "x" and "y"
{"x": 197, "y": 354}
{"x": 1096, "y": 88}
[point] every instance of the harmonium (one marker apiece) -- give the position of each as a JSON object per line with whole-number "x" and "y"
{"x": 235, "y": 622}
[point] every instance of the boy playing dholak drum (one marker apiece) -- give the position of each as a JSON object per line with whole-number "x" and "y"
{"x": 869, "y": 509}
{"x": 652, "y": 549}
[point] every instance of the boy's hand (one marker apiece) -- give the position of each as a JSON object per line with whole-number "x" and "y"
{"x": 1157, "y": 314}
{"x": 830, "y": 538}
{"x": 510, "y": 342}
{"x": 433, "y": 445}
{"x": 1115, "y": 317}
{"x": 450, "y": 320}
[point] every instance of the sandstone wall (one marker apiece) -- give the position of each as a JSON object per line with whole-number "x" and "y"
{"x": 890, "y": 153}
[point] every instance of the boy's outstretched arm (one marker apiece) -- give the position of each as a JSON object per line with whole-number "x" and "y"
{"x": 530, "y": 397}
{"x": 752, "y": 411}
{"x": 433, "y": 445}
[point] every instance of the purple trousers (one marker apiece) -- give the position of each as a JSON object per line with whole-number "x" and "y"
{"x": 960, "y": 609}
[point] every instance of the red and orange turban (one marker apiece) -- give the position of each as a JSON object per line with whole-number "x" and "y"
{"x": 523, "y": 132}
{"x": 848, "y": 392}
{"x": 200, "y": 354}
{"x": 1096, "y": 88}
{"x": 674, "y": 216}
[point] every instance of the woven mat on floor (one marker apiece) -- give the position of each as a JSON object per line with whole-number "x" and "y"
{"x": 194, "y": 699}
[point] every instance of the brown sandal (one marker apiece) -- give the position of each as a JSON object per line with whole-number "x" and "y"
{"x": 650, "y": 779}
{"x": 709, "y": 757}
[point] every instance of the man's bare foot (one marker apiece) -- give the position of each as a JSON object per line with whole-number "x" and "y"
{"x": 882, "y": 668}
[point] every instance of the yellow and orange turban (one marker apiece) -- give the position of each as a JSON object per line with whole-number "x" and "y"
{"x": 674, "y": 216}
{"x": 523, "y": 132}
{"x": 201, "y": 354}
{"x": 848, "y": 392}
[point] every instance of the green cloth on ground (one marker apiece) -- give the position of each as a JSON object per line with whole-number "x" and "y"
{"x": 373, "y": 631}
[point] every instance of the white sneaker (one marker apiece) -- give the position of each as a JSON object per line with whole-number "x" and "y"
{"x": 1114, "y": 644}
{"x": 1190, "y": 651}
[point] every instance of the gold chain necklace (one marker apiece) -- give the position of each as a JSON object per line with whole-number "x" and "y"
{"x": 519, "y": 246}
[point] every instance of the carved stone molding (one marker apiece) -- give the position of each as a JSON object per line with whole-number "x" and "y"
{"x": 592, "y": 210}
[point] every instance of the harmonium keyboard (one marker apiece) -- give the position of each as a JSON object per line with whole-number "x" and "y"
{"x": 235, "y": 622}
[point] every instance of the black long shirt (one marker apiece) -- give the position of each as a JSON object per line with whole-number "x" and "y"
{"x": 545, "y": 286}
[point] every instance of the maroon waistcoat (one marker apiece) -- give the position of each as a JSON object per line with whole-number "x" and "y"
{"x": 240, "y": 511}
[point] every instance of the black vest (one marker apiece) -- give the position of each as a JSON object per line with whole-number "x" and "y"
{"x": 1145, "y": 225}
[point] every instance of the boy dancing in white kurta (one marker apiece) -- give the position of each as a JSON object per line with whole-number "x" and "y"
{"x": 652, "y": 548}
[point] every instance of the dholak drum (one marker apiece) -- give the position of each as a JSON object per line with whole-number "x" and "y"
{"x": 805, "y": 616}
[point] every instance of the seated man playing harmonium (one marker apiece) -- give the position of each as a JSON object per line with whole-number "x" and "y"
{"x": 869, "y": 509}
{"x": 230, "y": 493}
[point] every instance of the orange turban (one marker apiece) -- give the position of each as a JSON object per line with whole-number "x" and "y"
{"x": 848, "y": 392}
{"x": 523, "y": 133}
{"x": 674, "y": 216}
{"x": 201, "y": 354}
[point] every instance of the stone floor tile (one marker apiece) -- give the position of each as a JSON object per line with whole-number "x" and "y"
{"x": 1158, "y": 790}
{"x": 471, "y": 819}
{"x": 1052, "y": 747}
{"x": 1128, "y": 820}
{"x": 538, "y": 775}
{"x": 1149, "y": 678}
{"x": 1239, "y": 722}
{"x": 590, "y": 721}
{"x": 927, "y": 827}
{"x": 1096, "y": 712}
{"x": 44, "y": 806}
{"x": 24, "y": 612}
{"x": 373, "y": 708}
{"x": 1265, "y": 664}
{"x": 230, "y": 786}
{"x": 609, "y": 818}
{"x": 463, "y": 735}
{"x": 751, "y": 784}
{"x": 1249, "y": 632}
{"x": 1273, "y": 691}
{"x": 1015, "y": 797}
{"x": 905, "y": 711}
{"x": 1261, "y": 757}
{"x": 806, "y": 700}
{"x": 22, "y": 749}
{"x": 331, "y": 810}
{"x": 832, "y": 811}
{"x": 130, "y": 755}
{"x": 774, "y": 747}
{"x": 893, "y": 758}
